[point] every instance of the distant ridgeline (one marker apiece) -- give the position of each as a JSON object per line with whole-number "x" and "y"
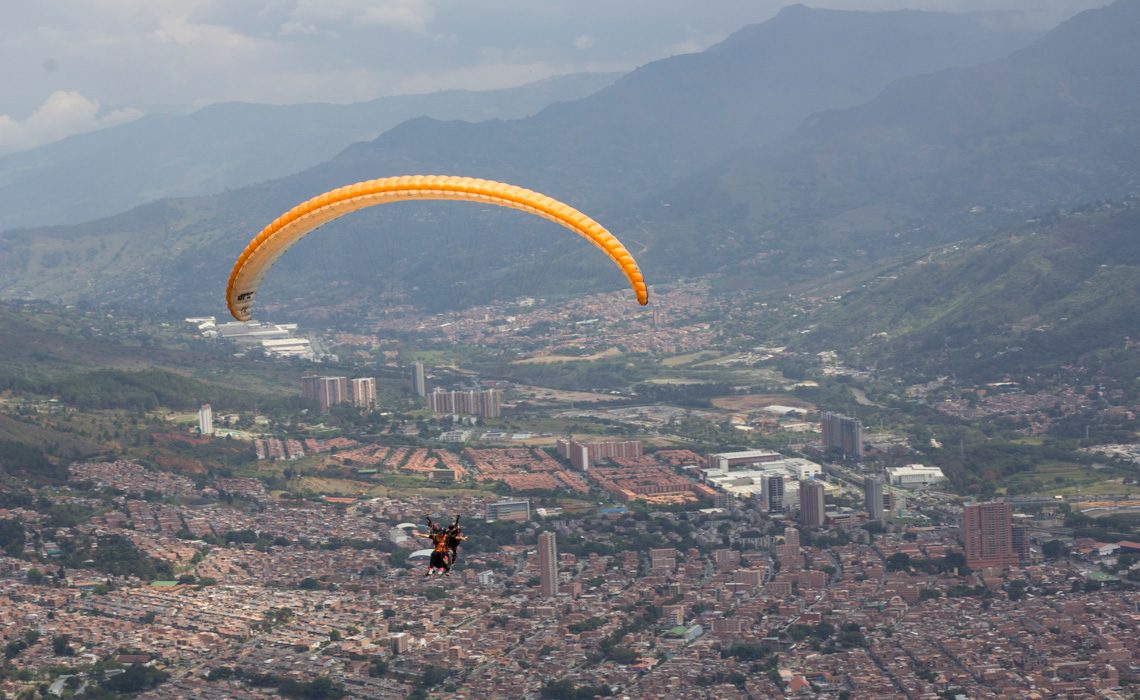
{"x": 688, "y": 156}
{"x": 1058, "y": 291}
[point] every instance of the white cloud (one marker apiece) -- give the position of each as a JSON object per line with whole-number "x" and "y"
{"x": 309, "y": 16}
{"x": 175, "y": 55}
{"x": 690, "y": 45}
{"x": 409, "y": 16}
{"x": 484, "y": 76}
{"x": 183, "y": 33}
{"x": 295, "y": 28}
{"x": 63, "y": 114}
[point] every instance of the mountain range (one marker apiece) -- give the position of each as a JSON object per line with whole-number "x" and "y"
{"x": 615, "y": 154}
{"x": 929, "y": 158}
{"x": 231, "y": 145}
{"x": 933, "y": 158}
{"x": 1056, "y": 292}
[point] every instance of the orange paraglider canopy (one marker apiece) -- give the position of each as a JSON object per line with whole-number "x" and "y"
{"x": 264, "y": 250}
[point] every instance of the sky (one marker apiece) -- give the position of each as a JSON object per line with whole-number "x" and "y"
{"x": 72, "y": 66}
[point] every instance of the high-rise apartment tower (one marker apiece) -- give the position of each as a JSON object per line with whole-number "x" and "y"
{"x": 548, "y": 564}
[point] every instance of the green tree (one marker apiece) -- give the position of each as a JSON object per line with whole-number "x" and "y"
{"x": 433, "y": 676}
{"x": 823, "y": 630}
{"x": 220, "y": 673}
{"x": 1054, "y": 549}
{"x": 61, "y": 645}
{"x": 956, "y": 560}
{"x": 135, "y": 679}
{"x": 874, "y": 527}
{"x": 378, "y": 668}
{"x": 899, "y": 561}
{"x": 12, "y": 537}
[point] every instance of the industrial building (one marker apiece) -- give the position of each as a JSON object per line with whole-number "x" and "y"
{"x": 915, "y": 475}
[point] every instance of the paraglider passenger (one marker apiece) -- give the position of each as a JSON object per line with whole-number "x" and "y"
{"x": 454, "y": 537}
{"x": 439, "y": 562}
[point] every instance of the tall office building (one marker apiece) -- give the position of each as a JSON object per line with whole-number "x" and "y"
{"x": 206, "y": 420}
{"x": 548, "y": 564}
{"x": 440, "y": 401}
{"x": 486, "y": 403}
{"x": 418, "y": 384}
{"x": 490, "y": 403}
{"x": 873, "y": 497}
{"x": 894, "y": 503}
{"x": 1020, "y": 538}
{"x": 332, "y": 391}
{"x": 583, "y": 454}
{"x": 791, "y": 536}
{"x": 843, "y": 433}
{"x": 577, "y": 452}
{"x": 811, "y": 503}
{"x": 725, "y": 500}
{"x": 364, "y": 393}
{"x": 772, "y": 493}
{"x": 988, "y": 531}
{"x": 310, "y": 386}
{"x": 328, "y": 391}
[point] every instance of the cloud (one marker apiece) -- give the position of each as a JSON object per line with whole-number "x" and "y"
{"x": 583, "y": 42}
{"x": 63, "y": 114}
{"x": 488, "y": 75}
{"x": 180, "y": 32}
{"x": 310, "y": 16}
{"x": 176, "y": 55}
{"x": 690, "y": 45}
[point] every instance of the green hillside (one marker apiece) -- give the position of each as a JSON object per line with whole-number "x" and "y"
{"x": 78, "y": 383}
{"x": 1055, "y": 295}
{"x": 933, "y": 159}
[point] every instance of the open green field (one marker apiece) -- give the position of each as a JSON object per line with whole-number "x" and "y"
{"x": 329, "y": 486}
{"x": 761, "y": 375}
{"x": 434, "y": 358}
{"x": 184, "y": 418}
{"x": 408, "y": 484}
{"x": 538, "y": 421}
{"x": 261, "y": 469}
{"x": 756, "y": 402}
{"x": 607, "y": 354}
{"x": 678, "y": 381}
{"x": 690, "y": 358}
{"x": 43, "y": 431}
{"x": 712, "y": 373}
{"x": 1071, "y": 480}
{"x": 386, "y": 485}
